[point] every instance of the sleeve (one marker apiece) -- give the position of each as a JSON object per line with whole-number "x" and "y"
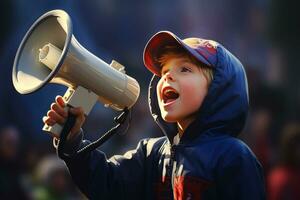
{"x": 120, "y": 177}
{"x": 240, "y": 176}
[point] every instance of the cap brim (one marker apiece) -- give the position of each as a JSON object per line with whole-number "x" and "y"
{"x": 153, "y": 50}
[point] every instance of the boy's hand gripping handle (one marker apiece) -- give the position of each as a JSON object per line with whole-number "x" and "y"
{"x": 79, "y": 97}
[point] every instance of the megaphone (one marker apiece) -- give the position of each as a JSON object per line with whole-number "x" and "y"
{"x": 49, "y": 53}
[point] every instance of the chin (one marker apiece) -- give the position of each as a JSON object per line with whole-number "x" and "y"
{"x": 169, "y": 118}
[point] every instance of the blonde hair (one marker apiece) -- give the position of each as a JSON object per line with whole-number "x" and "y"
{"x": 171, "y": 52}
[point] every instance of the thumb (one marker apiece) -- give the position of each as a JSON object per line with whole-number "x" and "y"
{"x": 80, "y": 118}
{"x": 77, "y": 111}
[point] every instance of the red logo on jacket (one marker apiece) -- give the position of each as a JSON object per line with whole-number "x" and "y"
{"x": 187, "y": 188}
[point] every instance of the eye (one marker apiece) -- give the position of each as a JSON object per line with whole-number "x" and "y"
{"x": 185, "y": 69}
{"x": 163, "y": 72}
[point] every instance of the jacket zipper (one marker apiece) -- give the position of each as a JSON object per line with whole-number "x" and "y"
{"x": 170, "y": 170}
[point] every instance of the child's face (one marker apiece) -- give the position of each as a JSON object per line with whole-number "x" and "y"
{"x": 181, "y": 91}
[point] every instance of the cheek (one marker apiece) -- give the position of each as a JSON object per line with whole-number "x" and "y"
{"x": 194, "y": 94}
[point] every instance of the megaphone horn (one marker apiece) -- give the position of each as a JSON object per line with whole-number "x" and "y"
{"x": 49, "y": 53}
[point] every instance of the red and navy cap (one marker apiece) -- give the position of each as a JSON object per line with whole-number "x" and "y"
{"x": 203, "y": 50}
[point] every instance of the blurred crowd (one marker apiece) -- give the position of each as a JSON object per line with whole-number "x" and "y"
{"x": 257, "y": 32}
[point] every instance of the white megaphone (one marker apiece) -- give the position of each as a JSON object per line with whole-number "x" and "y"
{"x": 49, "y": 53}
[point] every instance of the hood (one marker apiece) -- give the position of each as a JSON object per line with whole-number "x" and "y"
{"x": 224, "y": 109}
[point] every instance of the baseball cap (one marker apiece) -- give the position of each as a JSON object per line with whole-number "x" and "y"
{"x": 202, "y": 49}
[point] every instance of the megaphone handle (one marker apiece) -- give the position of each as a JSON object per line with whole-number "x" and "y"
{"x": 78, "y": 97}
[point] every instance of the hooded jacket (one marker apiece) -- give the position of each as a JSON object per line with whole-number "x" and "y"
{"x": 208, "y": 162}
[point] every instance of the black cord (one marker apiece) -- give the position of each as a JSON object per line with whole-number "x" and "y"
{"x": 71, "y": 119}
{"x": 92, "y": 146}
{"x": 129, "y": 116}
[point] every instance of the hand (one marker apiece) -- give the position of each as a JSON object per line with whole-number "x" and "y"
{"x": 57, "y": 114}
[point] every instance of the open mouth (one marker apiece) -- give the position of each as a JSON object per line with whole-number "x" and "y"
{"x": 169, "y": 94}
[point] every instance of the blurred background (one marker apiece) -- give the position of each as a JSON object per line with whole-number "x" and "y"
{"x": 263, "y": 34}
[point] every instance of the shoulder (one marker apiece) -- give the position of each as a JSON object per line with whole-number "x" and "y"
{"x": 235, "y": 145}
{"x": 234, "y": 151}
{"x": 222, "y": 147}
{"x": 154, "y": 141}
{"x": 153, "y": 145}
{"x": 146, "y": 148}
{"x": 226, "y": 145}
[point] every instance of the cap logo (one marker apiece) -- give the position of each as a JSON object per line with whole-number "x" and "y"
{"x": 207, "y": 44}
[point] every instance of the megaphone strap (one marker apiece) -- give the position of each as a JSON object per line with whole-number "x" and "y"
{"x": 64, "y": 134}
{"x": 55, "y": 142}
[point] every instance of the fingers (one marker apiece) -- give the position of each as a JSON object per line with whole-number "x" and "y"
{"x": 48, "y": 121}
{"x": 59, "y": 109}
{"x": 58, "y": 114}
{"x": 60, "y": 101}
{"x": 56, "y": 117}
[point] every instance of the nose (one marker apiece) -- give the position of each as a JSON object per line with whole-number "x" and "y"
{"x": 169, "y": 76}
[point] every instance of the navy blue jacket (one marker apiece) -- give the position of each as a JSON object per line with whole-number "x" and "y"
{"x": 209, "y": 162}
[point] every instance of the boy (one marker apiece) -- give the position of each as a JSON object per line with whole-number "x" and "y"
{"x": 199, "y": 98}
